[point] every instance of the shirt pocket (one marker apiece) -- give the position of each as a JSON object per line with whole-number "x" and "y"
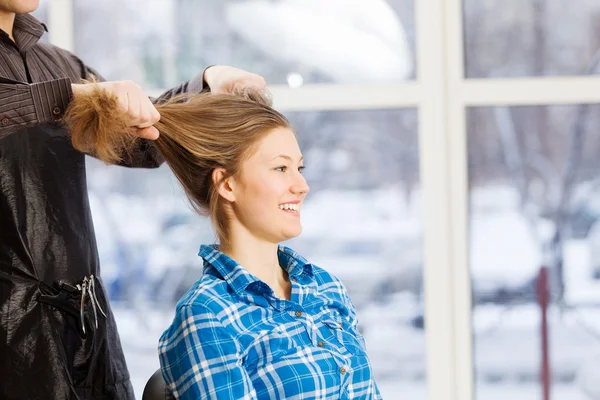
{"x": 268, "y": 347}
{"x": 347, "y": 336}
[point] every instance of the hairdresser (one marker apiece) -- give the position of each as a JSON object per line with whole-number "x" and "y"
{"x": 58, "y": 338}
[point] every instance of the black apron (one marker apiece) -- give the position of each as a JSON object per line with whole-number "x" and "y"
{"x": 52, "y": 345}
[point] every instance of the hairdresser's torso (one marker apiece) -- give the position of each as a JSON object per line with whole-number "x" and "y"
{"x": 47, "y": 236}
{"x": 46, "y": 229}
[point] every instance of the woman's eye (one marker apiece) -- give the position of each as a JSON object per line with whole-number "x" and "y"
{"x": 282, "y": 169}
{"x": 301, "y": 169}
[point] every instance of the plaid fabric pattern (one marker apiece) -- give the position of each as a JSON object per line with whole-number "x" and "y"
{"x": 233, "y": 339}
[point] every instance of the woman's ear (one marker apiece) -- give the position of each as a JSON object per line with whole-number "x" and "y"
{"x": 225, "y": 189}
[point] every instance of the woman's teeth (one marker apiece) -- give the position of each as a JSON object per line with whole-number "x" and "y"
{"x": 291, "y": 207}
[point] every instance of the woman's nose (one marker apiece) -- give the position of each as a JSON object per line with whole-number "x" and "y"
{"x": 300, "y": 185}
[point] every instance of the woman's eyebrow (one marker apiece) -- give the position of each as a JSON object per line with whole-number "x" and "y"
{"x": 286, "y": 157}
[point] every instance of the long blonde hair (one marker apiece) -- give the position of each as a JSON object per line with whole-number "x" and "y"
{"x": 197, "y": 134}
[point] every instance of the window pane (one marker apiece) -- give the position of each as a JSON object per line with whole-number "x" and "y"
{"x": 533, "y": 174}
{"x": 514, "y": 38}
{"x": 41, "y": 13}
{"x": 362, "y": 222}
{"x": 287, "y": 41}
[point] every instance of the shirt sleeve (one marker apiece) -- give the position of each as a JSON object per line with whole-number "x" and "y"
{"x": 353, "y": 318}
{"x": 193, "y": 86}
{"x": 200, "y": 359}
{"x": 354, "y": 325}
{"x": 23, "y": 105}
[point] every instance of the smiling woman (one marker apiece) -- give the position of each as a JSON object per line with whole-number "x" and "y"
{"x": 262, "y": 322}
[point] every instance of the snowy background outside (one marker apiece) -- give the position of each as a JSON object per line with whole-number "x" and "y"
{"x": 533, "y": 175}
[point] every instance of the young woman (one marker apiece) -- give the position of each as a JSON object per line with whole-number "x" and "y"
{"x": 261, "y": 322}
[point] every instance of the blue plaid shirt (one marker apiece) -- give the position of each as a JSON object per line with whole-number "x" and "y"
{"x": 233, "y": 339}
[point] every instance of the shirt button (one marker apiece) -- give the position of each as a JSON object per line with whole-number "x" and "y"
{"x": 320, "y": 344}
{"x": 343, "y": 370}
{"x": 5, "y": 121}
{"x": 340, "y": 324}
{"x": 298, "y": 313}
{"x": 56, "y": 111}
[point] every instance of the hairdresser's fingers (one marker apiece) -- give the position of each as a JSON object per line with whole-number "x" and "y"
{"x": 247, "y": 81}
{"x": 133, "y": 108}
{"x": 243, "y": 85}
{"x": 237, "y": 86}
{"x": 155, "y": 116}
{"x": 256, "y": 81}
{"x": 150, "y": 133}
{"x": 224, "y": 79}
{"x": 148, "y": 113}
{"x": 122, "y": 101}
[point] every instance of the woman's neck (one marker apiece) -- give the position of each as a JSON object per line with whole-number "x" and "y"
{"x": 261, "y": 260}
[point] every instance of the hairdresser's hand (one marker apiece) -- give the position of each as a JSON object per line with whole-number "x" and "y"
{"x": 135, "y": 105}
{"x": 224, "y": 79}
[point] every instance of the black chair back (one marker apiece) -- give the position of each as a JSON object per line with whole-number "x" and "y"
{"x": 156, "y": 388}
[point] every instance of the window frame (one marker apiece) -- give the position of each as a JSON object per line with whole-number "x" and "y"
{"x": 442, "y": 94}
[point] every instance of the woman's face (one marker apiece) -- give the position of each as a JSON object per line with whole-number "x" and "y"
{"x": 269, "y": 189}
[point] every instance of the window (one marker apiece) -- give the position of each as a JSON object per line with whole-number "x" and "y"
{"x": 533, "y": 174}
{"x": 288, "y": 42}
{"x": 491, "y": 157}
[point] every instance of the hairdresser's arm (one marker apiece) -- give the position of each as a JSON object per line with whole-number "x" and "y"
{"x": 216, "y": 79}
{"x": 25, "y": 105}
{"x": 195, "y": 85}
{"x": 200, "y": 359}
{"x": 28, "y": 104}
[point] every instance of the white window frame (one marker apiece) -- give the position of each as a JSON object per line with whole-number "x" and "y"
{"x": 442, "y": 96}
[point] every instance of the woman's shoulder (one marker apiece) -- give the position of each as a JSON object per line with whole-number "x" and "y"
{"x": 326, "y": 279}
{"x": 203, "y": 305}
{"x": 208, "y": 294}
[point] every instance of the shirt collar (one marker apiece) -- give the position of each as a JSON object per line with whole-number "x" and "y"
{"x": 238, "y": 278}
{"x": 295, "y": 265}
{"x": 27, "y": 31}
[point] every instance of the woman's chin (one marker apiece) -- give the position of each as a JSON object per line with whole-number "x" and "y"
{"x": 291, "y": 233}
